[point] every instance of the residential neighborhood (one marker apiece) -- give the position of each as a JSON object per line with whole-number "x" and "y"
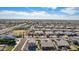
{"x": 34, "y": 35}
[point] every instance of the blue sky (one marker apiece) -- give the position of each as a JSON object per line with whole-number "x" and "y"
{"x": 69, "y": 13}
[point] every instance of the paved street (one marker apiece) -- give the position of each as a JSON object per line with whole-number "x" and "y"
{"x": 19, "y": 46}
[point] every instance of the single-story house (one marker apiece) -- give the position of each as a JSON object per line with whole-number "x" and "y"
{"x": 47, "y": 45}
{"x": 62, "y": 43}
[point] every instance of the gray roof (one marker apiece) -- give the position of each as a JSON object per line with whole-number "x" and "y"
{"x": 39, "y": 32}
{"x": 48, "y": 29}
{"x": 43, "y": 38}
{"x": 69, "y": 32}
{"x": 76, "y": 29}
{"x": 62, "y": 42}
{"x": 59, "y": 32}
{"x": 47, "y": 43}
{"x": 31, "y": 40}
{"x": 49, "y": 32}
{"x": 75, "y": 37}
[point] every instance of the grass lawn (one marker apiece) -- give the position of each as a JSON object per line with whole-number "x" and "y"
{"x": 73, "y": 48}
{"x": 77, "y": 47}
{"x": 1, "y": 46}
{"x": 9, "y": 48}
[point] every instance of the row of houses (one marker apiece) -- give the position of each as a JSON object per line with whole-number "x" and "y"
{"x": 53, "y": 37}
{"x": 51, "y": 44}
{"x": 51, "y": 33}
{"x": 57, "y": 26}
{"x": 47, "y": 44}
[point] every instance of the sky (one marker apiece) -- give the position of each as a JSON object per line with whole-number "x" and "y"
{"x": 61, "y": 13}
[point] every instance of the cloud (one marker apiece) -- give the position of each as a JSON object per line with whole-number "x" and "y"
{"x": 21, "y": 14}
{"x": 6, "y": 14}
{"x": 53, "y": 7}
{"x": 69, "y": 11}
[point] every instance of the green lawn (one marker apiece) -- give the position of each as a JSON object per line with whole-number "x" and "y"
{"x": 77, "y": 47}
{"x": 9, "y": 48}
{"x": 73, "y": 48}
{"x": 1, "y": 46}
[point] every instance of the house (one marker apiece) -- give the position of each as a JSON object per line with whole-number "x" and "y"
{"x": 43, "y": 38}
{"x": 32, "y": 44}
{"x": 70, "y": 33}
{"x": 49, "y": 34}
{"x": 47, "y": 29}
{"x": 31, "y": 34}
{"x": 59, "y": 33}
{"x": 47, "y": 45}
{"x": 49, "y": 26}
{"x": 62, "y": 44}
{"x": 77, "y": 32}
{"x": 31, "y": 40}
{"x": 38, "y": 33}
{"x": 43, "y": 29}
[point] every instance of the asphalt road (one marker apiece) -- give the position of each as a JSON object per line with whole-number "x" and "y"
{"x": 19, "y": 46}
